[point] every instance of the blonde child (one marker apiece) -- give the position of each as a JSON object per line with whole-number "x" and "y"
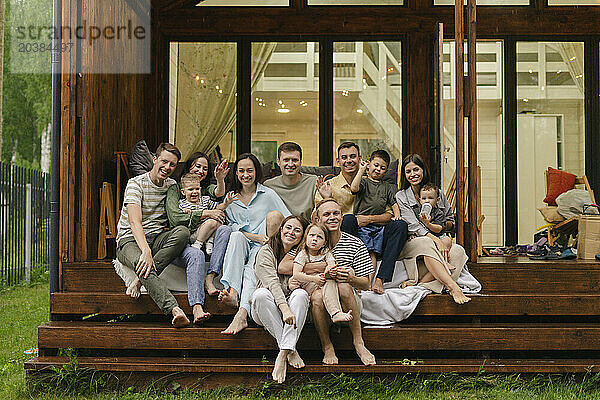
{"x": 194, "y": 202}
{"x": 315, "y": 248}
{"x": 373, "y": 197}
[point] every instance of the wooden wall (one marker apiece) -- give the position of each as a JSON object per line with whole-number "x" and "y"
{"x": 103, "y": 113}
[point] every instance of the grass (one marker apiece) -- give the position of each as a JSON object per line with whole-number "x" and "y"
{"x": 23, "y": 308}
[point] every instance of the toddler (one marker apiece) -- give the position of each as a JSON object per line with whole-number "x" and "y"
{"x": 373, "y": 197}
{"x": 315, "y": 248}
{"x": 203, "y": 234}
{"x": 434, "y": 219}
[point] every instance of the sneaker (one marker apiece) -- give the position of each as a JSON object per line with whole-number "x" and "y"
{"x": 209, "y": 246}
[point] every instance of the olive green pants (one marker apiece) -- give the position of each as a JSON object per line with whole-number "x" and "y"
{"x": 165, "y": 247}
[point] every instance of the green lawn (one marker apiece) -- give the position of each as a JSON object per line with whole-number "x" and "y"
{"x": 23, "y": 308}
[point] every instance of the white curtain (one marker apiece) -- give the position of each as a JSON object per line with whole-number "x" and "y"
{"x": 206, "y": 92}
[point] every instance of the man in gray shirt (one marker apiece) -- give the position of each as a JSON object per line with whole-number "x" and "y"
{"x": 297, "y": 190}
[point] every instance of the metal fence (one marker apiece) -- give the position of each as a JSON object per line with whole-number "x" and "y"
{"x": 24, "y": 223}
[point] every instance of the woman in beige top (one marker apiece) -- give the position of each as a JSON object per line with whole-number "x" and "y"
{"x": 282, "y": 314}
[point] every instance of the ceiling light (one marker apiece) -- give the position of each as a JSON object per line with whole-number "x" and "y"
{"x": 217, "y": 87}
{"x": 530, "y": 71}
{"x": 359, "y": 110}
{"x": 572, "y": 58}
{"x": 526, "y": 100}
{"x": 280, "y": 101}
{"x": 197, "y": 77}
{"x": 283, "y": 110}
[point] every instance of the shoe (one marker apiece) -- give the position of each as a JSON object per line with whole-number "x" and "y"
{"x": 598, "y": 257}
{"x": 567, "y": 254}
{"x": 539, "y": 252}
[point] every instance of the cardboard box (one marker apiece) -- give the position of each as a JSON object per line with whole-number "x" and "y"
{"x": 588, "y": 238}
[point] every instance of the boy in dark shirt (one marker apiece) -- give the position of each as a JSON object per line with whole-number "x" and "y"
{"x": 373, "y": 197}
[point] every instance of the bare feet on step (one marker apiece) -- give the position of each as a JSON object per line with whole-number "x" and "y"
{"x": 342, "y": 317}
{"x": 378, "y": 286}
{"x": 229, "y": 298}
{"x": 239, "y": 323}
{"x": 329, "y": 357}
{"x": 457, "y": 294}
{"x": 134, "y": 287}
{"x": 280, "y": 368}
{"x": 199, "y": 314}
{"x": 294, "y": 359}
{"x": 210, "y": 285}
{"x": 365, "y": 355}
{"x": 179, "y": 318}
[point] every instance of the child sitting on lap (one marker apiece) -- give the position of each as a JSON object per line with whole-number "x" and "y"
{"x": 194, "y": 203}
{"x": 434, "y": 220}
{"x": 315, "y": 248}
{"x": 373, "y": 197}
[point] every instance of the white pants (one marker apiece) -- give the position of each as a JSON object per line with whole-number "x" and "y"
{"x": 265, "y": 312}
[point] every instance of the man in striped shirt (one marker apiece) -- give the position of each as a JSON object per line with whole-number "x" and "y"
{"x": 143, "y": 242}
{"x": 352, "y": 273}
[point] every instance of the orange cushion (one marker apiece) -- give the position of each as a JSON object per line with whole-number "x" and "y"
{"x": 558, "y": 183}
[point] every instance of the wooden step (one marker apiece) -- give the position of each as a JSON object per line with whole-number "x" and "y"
{"x": 422, "y": 336}
{"x": 262, "y": 366}
{"x": 74, "y": 303}
{"x": 497, "y": 275}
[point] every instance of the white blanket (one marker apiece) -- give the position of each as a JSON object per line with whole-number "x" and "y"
{"x": 397, "y": 304}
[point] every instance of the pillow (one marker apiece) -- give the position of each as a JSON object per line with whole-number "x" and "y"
{"x": 558, "y": 183}
{"x": 550, "y": 214}
{"x": 140, "y": 159}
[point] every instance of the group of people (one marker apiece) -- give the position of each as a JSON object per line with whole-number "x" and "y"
{"x": 296, "y": 242}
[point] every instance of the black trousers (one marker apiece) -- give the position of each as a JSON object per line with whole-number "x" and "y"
{"x": 395, "y": 235}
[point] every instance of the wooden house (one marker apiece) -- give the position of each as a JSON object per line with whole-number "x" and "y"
{"x": 535, "y": 58}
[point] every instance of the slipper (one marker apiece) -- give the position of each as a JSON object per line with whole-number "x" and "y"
{"x": 202, "y": 319}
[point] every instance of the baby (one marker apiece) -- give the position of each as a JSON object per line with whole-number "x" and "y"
{"x": 315, "y": 248}
{"x": 194, "y": 202}
{"x": 431, "y": 215}
{"x": 434, "y": 219}
{"x": 374, "y": 197}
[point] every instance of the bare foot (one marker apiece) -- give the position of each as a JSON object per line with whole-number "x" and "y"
{"x": 280, "y": 368}
{"x": 457, "y": 294}
{"x": 179, "y": 318}
{"x": 199, "y": 314}
{"x": 407, "y": 284}
{"x": 342, "y": 317}
{"x": 133, "y": 289}
{"x": 294, "y": 359}
{"x": 365, "y": 355}
{"x": 329, "y": 357}
{"x": 210, "y": 285}
{"x": 378, "y": 286}
{"x": 239, "y": 323}
{"x": 228, "y": 299}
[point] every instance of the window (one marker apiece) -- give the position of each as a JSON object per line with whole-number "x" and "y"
{"x": 367, "y": 102}
{"x": 238, "y": 3}
{"x": 573, "y": 2}
{"x": 550, "y": 122}
{"x": 202, "y": 97}
{"x": 486, "y": 2}
{"x": 355, "y": 2}
{"x": 285, "y": 99}
{"x": 490, "y": 132}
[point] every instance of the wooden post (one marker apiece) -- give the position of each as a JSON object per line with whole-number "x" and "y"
{"x": 460, "y": 119}
{"x": 474, "y": 199}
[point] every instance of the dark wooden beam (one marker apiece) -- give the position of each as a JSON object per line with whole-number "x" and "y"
{"x": 460, "y": 119}
{"x": 592, "y": 112}
{"x": 164, "y": 6}
{"x": 510, "y": 139}
{"x": 326, "y": 102}
{"x": 473, "y": 178}
{"x": 244, "y": 85}
{"x": 348, "y": 21}
{"x": 417, "y": 67}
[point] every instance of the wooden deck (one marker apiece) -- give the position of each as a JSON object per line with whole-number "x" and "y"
{"x": 532, "y": 316}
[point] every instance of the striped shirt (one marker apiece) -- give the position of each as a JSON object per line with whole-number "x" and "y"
{"x": 142, "y": 191}
{"x": 350, "y": 252}
{"x": 205, "y": 204}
